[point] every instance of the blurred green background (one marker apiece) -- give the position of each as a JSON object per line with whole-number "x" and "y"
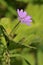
{"x": 26, "y": 44}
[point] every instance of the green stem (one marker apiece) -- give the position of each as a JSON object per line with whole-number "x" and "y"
{"x": 14, "y": 29}
{"x": 36, "y": 59}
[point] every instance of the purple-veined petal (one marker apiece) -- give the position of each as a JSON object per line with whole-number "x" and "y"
{"x": 23, "y": 17}
{"x": 27, "y": 21}
{"x": 28, "y": 17}
{"x": 21, "y": 14}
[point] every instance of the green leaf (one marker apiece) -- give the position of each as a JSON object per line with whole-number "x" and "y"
{"x": 17, "y": 55}
{"x": 40, "y": 57}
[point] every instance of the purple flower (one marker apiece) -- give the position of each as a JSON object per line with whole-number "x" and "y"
{"x": 23, "y": 17}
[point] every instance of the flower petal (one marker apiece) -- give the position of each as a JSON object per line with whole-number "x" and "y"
{"x": 23, "y": 17}
{"x": 28, "y": 17}
{"x": 20, "y": 13}
{"x": 24, "y": 14}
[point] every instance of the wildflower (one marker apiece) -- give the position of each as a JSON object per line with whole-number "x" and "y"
{"x": 23, "y": 17}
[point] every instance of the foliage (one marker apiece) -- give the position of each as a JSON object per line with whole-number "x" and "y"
{"x": 21, "y": 44}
